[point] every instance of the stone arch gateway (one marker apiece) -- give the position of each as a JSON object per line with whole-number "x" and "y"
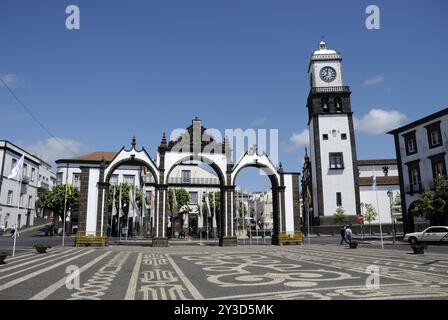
{"x": 194, "y": 145}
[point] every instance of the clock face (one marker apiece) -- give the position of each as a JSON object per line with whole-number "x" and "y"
{"x": 327, "y": 74}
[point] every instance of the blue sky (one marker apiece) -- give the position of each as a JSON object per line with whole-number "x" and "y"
{"x": 144, "y": 67}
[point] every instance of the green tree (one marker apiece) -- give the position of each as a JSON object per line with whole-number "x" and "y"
{"x": 181, "y": 207}
{"x": 124, "y": 187}
{"x": 340, "y": 215}
{"x": 433, "y": 205}
{"x": 53, "y": 200}
{"x": 370, "y": 214}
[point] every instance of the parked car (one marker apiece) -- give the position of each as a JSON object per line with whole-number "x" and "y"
{"x": 431, "y": 234}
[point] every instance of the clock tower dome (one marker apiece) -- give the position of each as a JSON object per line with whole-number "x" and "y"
{"x": 332, "y": 138}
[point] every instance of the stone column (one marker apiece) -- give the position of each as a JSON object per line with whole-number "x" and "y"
{"x": 84, "y": 195}
{"x": 227, "y": 237}
{"x": 160, "y": 238}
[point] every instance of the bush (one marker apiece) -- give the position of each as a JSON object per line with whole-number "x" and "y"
{"x": 419, "y": 248}
{"x": 3, "y": 256}
{"x": 41, "y": 248}
{"x": 354, "y": 244}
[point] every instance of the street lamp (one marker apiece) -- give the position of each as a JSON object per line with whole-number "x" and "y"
{"x": 390, "y": 194}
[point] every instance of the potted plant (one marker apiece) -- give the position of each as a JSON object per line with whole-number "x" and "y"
{"x": 353, "y": 244}
{"x": 419, "y": 248}
{"x": 41, "y": 248}
{"x": 3, "y": 256}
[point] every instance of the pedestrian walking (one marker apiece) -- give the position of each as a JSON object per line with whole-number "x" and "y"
{"x": 342, "y": 232}
{"x": 348, "y": 234}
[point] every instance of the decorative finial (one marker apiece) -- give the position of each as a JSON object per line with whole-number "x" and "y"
{"x": 134, "y": 142}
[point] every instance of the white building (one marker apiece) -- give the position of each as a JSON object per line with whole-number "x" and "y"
{"x": 387, "y": 194}
{"x": 36, "y": 174}
{"x": 421, "y": 148}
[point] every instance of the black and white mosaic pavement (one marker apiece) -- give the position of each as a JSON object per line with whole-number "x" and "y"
{"x": 322, "y": 272}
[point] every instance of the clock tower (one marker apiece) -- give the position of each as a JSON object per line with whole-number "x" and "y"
{"x": 332, "y": 139}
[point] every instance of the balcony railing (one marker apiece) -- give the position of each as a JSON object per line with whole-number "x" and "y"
{"x": 330, "y": 89}
{"x": 148, "y": 179}
{"x": 44, "y": 185}
{"x": 176, "y": 180}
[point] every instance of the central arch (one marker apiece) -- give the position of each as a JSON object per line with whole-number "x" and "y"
{"x": 260, "y": 161}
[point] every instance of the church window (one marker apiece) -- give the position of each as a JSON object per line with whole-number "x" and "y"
{"x": 336, "y": 161}
{"x": 325, "y": 136}
{"x": 338, "y": 199}
{"x": 343, "y": 136}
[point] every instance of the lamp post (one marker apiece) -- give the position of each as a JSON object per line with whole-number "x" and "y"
{"x": 362, "y": 221}
{"x": 390, "y": 194}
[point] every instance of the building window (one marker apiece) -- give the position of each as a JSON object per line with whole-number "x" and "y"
{"x": 434, "y": 135}
{"x": 75, "y": 180}
{"x": 129, "y": 179}
{"x": 21, "y": 199}
{"x": 10, "y": 198}
{"x": 59, "y": 178}
{"x": 338, "y": 199}
{"x": 33, "y": 174}
{"x": 193, "y": 197}
{"x": 30, "y": 202}
{"x": 336, "y": 161}
{"x": 410, "y": 143}
{"x": 415, "y": 184}
{"x": 343, "y": 136}
{"x": 438, "y": 165}
{"x": 25, "y": 170}
{"x": 113, "y": 179}
{"x": 13, "y": 163}
{"x": 186, "y": 176}
{"x": 325, "y": 136}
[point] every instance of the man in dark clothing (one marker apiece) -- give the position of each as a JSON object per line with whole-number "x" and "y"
{"x": 342, "y": 232}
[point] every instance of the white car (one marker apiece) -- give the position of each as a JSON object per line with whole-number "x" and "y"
{"x": 431, "y": 234}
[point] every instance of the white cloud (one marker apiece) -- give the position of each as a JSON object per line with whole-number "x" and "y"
{"x": 373, "y": 81}
{"x": 10, "y": 79}
{"x": 298, "y": 140}
{"x": 379, "y": 121}
{"x": 53, "y": 149}
{"x": 259, "y": 121}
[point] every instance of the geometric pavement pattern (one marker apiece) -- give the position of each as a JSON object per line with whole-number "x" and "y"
{"x": 318, "y": 272}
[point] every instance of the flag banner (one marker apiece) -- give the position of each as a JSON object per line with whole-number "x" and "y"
{"x": 207, "y": 202}
{"x": 136, "y": 208}
{"x": 200, "y": 222}
{"x": 17, "y": 169}
{"x": 131, "y": 212}
{"x": 120, "y": 208}
{"x": 144, "y": 208}
{"x": 237, "y": 207}
{"x": 153, "y": 206}
{"x": 114, "y": 208}
{"x": 374, "y": 182}
{"x": 308, "y": 194}
{"x": 175, "y": 209}
{"x": 214, "y": 210}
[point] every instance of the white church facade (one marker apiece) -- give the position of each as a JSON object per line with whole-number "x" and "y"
{"x": 333, "y": 177}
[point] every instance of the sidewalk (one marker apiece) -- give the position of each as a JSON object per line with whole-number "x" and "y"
{"x": 7, "y": 233}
